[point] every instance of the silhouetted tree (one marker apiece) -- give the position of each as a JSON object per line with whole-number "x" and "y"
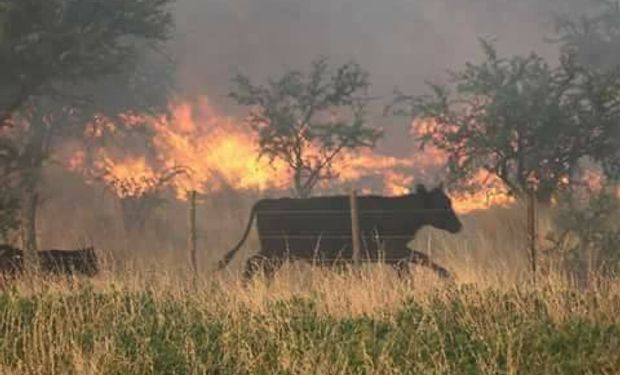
{"x": 55, "y": 55}
{"x": 307, "y": 119}
{"x": 140, "y": 197}
{"x": 594, "y": 39}
{"x": 520, "y": 119}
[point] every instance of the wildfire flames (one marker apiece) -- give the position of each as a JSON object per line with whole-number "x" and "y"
{"x": 195, "y": 148}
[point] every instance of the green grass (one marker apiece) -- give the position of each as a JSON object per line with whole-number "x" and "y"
{"x": 462, "y": 330}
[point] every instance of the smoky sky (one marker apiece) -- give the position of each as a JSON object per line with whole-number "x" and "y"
{"x": 401, "y": 43}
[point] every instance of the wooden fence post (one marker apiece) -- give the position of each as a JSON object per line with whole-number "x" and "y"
{"x": 192, "y": 232}
{"x": 531, "y": 224}
{"x": 355, "y": 228}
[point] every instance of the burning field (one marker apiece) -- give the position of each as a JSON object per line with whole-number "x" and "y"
{"x": 455, "y": 208}
{"x": 208, "y": 152}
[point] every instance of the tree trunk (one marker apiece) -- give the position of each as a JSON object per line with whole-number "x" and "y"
{"x": 298, "y": 184}
{"x": 30, "y": 221}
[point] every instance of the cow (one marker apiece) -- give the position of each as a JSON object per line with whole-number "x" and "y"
{"x": 319, "y": 230}
{"x": 83, "y": 261}
{"x": 11, "y": 260}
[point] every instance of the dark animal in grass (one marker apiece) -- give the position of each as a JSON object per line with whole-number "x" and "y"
{"x": 69, "y": 262}
{"x": 318, "y": 230}
{"x": 11, "y": 260}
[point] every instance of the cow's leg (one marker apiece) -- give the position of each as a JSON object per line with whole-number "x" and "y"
{"x": 401, "y": 267}
{"x": 396, "y": 254}
{"x": 422, "y": 259}
{"x": 260, "y": 263}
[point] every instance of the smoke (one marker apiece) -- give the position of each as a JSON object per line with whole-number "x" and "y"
{"x": 402, "y": 43}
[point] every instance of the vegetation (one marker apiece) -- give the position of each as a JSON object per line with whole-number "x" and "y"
{"x": 520, "y": 119}
{"x": 215, "y": 330}
{"x": 51, "y": 46}
{"x": 594, "y": 41}
{"x": 54, "y": 53}
{"x": 151, "y": 317}
{"x": 587, "y": 233}
{"x": 307, "y": 119}
{"x": 9, "y": 194}
{"x": 595, "y": 36}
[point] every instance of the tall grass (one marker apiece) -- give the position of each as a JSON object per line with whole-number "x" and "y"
{"x": 362, "y": 322}
{"x": 145, "y": 314}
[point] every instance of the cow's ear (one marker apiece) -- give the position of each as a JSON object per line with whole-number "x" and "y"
{"x": 421, "y": 189}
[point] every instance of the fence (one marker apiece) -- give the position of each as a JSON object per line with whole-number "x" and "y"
{"x": 355, "y": 236}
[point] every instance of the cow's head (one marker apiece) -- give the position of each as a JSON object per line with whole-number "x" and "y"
{"x": 438, "y": 209}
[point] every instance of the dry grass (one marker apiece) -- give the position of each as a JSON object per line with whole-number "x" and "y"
{"x": 146, "y": 314}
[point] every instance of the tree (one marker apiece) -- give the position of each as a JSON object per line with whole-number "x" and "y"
{"x": 9, "y": 194}
{"x": 52, "y": 46}
{"x": 587, "y": 234}
{"x": 520, "y": 119}
{"x": 307, "y": 119}
{"x": 594, "y": 39}
{"x": 56, "y": 55}
{"x": 140, "y": 196}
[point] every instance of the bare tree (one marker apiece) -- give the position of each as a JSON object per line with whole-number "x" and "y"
{"x": 139, "y": 196}
{"x": 307, "y": 119}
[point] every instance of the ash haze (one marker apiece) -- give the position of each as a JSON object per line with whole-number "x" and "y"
{"x": 402, "y": 43}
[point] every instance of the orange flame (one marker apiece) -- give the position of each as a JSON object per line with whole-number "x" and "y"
{"x": 219, "y": 151}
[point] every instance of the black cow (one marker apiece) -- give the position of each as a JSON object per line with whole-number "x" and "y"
{"x": 11, "y": 260}
{"x": 83, "y": 261}
{"x": 319, "y": 230}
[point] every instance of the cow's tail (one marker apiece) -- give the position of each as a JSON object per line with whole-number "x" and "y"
{"x": 231, "y": 254}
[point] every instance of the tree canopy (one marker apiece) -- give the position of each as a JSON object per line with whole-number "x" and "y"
{"x": 305, "y": 119}
{"x": 59, "y": 59}
{"x": 595, "y": 36}
{"x": 594, "y": 39}
{"x": 49, "y": 46}
{"x": 521, "y": 119}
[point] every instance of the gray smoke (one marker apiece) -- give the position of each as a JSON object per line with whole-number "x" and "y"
{"x": 400, "y": 42}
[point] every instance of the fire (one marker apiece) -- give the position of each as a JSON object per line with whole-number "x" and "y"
{"x": 492, "y": 194}
{"x": 212, "y": 151}
{"x": 131, "y": 178}
{"x": 351, "y": 167}
{"x": 218, "y": 151}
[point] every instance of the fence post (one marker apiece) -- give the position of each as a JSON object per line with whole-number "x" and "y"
{"x": 192, "y": 232}
{"x": 531, "y": 224}
{"x": 355, "y": 228}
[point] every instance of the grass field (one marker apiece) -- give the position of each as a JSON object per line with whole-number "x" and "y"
{"x": 151, "y": 318}
{"x": 341, "y": 323}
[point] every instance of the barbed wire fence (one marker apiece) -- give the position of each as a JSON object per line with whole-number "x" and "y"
{"x": 353, "y": 213}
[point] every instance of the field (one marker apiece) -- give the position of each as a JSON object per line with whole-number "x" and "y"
{"x": 150, "y": 316}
